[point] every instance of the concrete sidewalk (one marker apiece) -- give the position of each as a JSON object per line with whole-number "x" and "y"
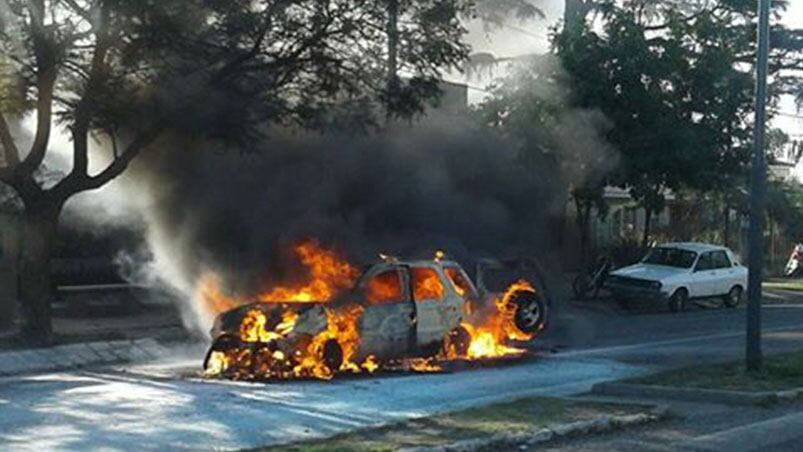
{"x": 77, "y": 355}
{"x": 766, "y": 435}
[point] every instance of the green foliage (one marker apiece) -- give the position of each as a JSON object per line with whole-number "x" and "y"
{"x": 785, "y": 206}
{"x": 495, "y": 13}
{"x": 676, "y": 82}
{"x": 226, "y": 68}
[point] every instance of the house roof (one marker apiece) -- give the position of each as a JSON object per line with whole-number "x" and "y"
{"x": 697, "y": 247}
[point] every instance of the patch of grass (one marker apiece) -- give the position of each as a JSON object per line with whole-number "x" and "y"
{"x": 795, "y": 285}
{"x": 520, "y": 415}
{"x": 784, "y": 371}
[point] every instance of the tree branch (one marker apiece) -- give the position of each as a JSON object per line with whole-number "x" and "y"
{"x": 81, "y": 127}
{"x": 78, "y": 182}
{"x": 45, "y": 84}
{"x": 85, "y": 14}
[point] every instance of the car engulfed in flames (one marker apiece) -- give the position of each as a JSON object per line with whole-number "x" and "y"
{"x": 396, "y": 314}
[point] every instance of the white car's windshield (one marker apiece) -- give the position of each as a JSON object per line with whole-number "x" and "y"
{"x": 671, "y": 257}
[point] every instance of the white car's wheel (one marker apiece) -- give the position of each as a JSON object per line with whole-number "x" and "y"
{"x": 679, "y": 300}
{"x": 734, "y": 297}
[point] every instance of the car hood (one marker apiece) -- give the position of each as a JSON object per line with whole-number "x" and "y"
{"x": 649, "y": 272}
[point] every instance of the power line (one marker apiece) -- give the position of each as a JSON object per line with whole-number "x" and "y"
{"x": 789, "y": 115}
{"x": 525, "y": 32}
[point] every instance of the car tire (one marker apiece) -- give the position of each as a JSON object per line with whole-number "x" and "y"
{"x": 734, "y": 297}
{"x": 679, "y": 300}
{"x": 332, "y": 355}
{"x": 456, "y": 343}
{"x": 223, "y": 343}
{"x": 531, "y": 312}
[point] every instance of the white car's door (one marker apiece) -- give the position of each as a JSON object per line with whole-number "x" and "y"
{"x": 726, "y": 274}
{"x": 703, "y": 278}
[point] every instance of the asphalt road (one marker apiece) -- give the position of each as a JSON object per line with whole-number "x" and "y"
{"x": 158, "y": 406}
{"x": 663, "y": 339}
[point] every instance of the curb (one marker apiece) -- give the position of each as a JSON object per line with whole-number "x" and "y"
{"x": 79, "y": 355}
{"x": 725, "y": 397}
{"x": 507, "y": 441}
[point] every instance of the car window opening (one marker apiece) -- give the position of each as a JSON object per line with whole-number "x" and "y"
{"x": 671, "y": 257}
{"x": 426, "y": 284}
{"x": 459, "y": 281}
{"x": 384, "y": 287}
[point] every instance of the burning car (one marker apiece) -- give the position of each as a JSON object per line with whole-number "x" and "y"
{"x": 395, "y": 310}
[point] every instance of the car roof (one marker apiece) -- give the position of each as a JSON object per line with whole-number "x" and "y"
{"x": 419, "y": 262}
{"x": 697, "y": 247}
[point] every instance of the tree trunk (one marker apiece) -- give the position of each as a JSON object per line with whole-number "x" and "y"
{"x": 647, "y": 223}
{"x": 36, "y": 290}
{"x": 727, "y": 233}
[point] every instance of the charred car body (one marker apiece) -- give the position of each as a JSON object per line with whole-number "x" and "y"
{"x": 395, "y": 310}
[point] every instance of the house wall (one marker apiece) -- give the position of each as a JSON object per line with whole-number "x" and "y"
{"x": 9, "y": 254}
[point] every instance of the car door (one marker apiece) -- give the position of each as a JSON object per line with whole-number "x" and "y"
{"x": 429, "y": 294}
{"x": 703, "y": 277}
{"x": 724, "y": 273}
{"x": 387, "y": 325}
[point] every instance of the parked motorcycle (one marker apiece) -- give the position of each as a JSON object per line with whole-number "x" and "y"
{"x": 794, "y": 266}
{"x": 592, "y": 280}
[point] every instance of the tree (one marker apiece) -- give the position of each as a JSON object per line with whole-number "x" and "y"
{"x": 532, "y": 109}
{"x": 675, "y": 79}
{"x": 123, "y": 73}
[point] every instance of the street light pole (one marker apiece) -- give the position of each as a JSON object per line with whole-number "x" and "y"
{"x": 758, "y": 182}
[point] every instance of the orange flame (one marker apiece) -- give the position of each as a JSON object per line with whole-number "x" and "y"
{"x": 489, "y": 338}
{"x": 270, "y": 346}
{"x": 328, "y": 275}
{"x": 210, "y": 295}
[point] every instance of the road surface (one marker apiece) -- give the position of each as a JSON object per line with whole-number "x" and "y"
{"x": 159, "y": 406}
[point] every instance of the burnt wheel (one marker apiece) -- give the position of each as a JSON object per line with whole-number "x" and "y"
{"x": 530, "y": 315}
{"x": 456, "y": 343}
{"x": 332, "y": 355}
{"x": 223, "y": 343}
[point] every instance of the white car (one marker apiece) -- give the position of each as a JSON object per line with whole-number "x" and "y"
{"x": 674, "y": 273}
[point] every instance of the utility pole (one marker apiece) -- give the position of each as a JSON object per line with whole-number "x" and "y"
{"x": 758, "y": 182}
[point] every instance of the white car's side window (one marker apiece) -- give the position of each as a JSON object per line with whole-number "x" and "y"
{"x": 704, "y": 263}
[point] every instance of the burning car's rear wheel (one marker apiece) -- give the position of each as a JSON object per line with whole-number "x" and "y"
{"x": 456, "y": 343}
{"x": 530, "y": 315}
